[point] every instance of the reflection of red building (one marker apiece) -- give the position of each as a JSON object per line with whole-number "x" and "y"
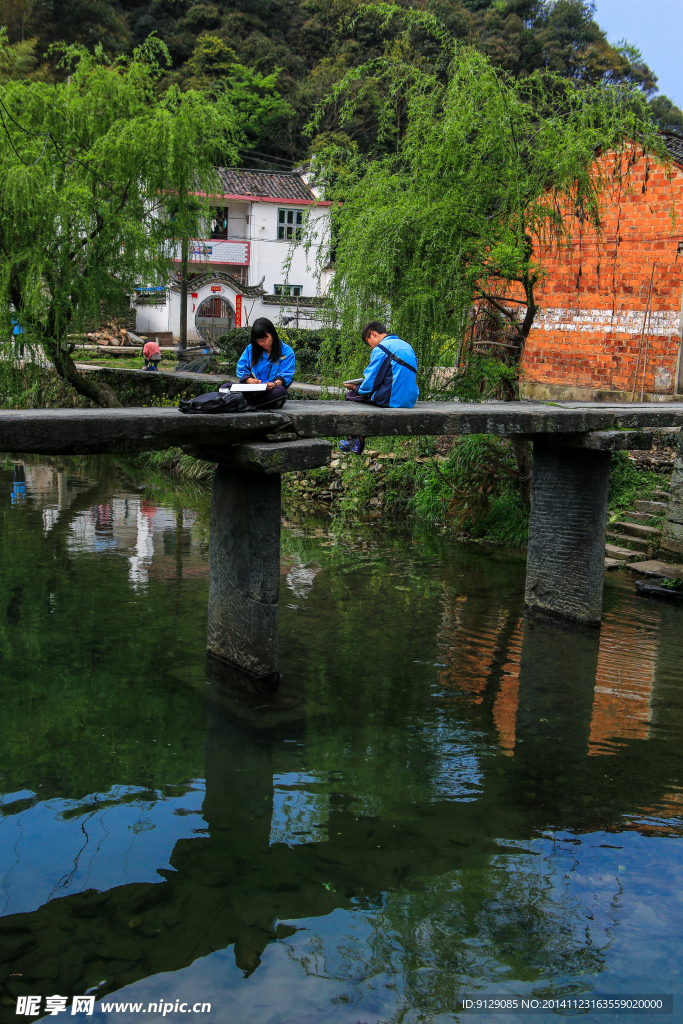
{"x": 479, "y": 652}
{"x": 471, "y": 650}
{"x": 624, "y": 683}
{"x": 505, "y": 707}
{"x": 468, "y": 654}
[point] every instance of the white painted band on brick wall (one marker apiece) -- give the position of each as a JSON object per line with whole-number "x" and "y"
{"x": 605, "y": 322}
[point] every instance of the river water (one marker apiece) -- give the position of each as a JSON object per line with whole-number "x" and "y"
{"x": 441, "y": 802}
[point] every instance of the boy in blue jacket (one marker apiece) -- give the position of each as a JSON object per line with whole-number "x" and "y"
{"x": 390, "y": 378}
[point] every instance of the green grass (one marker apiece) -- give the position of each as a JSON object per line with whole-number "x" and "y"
{"x": 176, "y": 462}
{"x": 424, "y": 491}
{"x": 627, "y": 483}
{"x": 121, "y": 362}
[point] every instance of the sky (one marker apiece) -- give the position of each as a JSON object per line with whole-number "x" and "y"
{"x": 655, "y": 27}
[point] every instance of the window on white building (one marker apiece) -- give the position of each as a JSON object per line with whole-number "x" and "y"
{"x": 289, "y": 225}
{"x": 289, "y": 289}
{"x": 218, "y": 222}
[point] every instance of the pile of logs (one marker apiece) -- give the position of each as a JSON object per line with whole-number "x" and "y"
{"x": 114, "y": 334}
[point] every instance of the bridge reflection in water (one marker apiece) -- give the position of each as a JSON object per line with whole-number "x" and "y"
{"x": 447, "y": 807}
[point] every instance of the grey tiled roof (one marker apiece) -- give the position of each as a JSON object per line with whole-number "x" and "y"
{"x": 674, "y": 146}
{"x": 265, "y": 184}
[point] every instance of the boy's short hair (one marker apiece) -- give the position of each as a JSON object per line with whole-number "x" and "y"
{"x": 374, "y": 325}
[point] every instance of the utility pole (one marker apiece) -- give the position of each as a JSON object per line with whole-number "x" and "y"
{"x": 184, "y": 247}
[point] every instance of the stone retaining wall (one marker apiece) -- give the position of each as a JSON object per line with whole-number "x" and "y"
{"x": 671, "y": 546}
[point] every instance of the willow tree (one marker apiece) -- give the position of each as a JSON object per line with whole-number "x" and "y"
{"x": 90, "y": 173}
{"x": 487, "y": 177}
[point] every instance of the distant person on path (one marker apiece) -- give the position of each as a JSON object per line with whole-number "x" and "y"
{"x": 266, "y": 360}
{"x": 152, "y": 354}
{"x": 390, "y": 378}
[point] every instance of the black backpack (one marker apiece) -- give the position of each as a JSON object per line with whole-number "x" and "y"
{"x": 214, "y": 401}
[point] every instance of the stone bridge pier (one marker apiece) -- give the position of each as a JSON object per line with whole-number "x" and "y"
{"x": 244, "y": 548}
{"x": 568, "y": 520}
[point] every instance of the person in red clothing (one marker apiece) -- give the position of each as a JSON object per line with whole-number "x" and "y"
{"x": 152, "y": 354}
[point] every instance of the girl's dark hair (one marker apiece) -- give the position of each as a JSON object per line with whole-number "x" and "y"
{"x": 259, "y": 329}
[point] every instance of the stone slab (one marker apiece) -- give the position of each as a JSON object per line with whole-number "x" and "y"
{"x": 638, "y": 530}
{"x": 606, "y": 440}
{"x": 627, "y": 554}
{"x": 656, "y": 507}
{"x": 614, "y": 563}
{"x": 124, "y": 431}
{"x": 656, "y": 568}
{"x": 639, "y": 543}
{"x": 640, "y": 517}
{"x": 267, "y": 456}
{"x": 121, "y": 431}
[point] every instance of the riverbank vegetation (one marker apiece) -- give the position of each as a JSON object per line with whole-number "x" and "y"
{"x": 465, "y": 486}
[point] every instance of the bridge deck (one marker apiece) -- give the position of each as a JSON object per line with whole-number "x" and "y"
{"x": 118, "y": 431}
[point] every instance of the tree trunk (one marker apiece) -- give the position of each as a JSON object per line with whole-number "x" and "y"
{"x": 523, "y": 459}
{"x": 100, "y": 394}
{"x": 519, "y": 445}
{"x": 183, "y": 290}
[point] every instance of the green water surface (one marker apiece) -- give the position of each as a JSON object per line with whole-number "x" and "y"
{"x": 442, "y": 801}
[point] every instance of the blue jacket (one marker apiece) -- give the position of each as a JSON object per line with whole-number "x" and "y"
{"x": 397, "y": 384}
{"x": 264, "y": 370}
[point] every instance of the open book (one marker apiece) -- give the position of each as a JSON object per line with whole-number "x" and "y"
{"x": 249, "y": 387}
{"x": 356, "y": 380}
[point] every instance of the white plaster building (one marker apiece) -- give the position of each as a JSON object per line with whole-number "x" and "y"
{"x": 238, "y": 271}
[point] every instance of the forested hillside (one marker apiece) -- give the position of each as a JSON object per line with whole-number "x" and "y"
{"x": 288, "y": 54}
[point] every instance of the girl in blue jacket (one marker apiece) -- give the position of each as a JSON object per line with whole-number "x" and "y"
{"x": 267, "y": 360}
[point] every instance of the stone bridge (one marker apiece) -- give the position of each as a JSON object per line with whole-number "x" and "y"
{"x": 571, "y": 441}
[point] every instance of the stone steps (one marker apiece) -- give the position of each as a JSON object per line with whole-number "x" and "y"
{"x": 640, "y": 530}
{"x": 656, "y": 568}
{"x": 657, "y": 507}
{"x": 632, "y": 540}
{"x": 624, "y": 554}
{"x": 642, "y": 517}
{"x": 628, "y": 542}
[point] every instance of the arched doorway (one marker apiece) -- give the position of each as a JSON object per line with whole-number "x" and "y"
{"x": 214, "y": 317}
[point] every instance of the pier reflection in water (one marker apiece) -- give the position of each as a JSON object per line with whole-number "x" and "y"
{"x": 443, "y": 798}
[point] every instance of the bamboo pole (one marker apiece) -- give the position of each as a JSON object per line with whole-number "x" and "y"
{"x": 647, "y": 333}
{"x": 647, "y": 345}
{"x": 642, "y": 332}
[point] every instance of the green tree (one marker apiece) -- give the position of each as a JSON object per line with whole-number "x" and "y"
{"x": 263, "y": 114}
{"x": 84, "y": 174}
{"x": 666, "y": 115}
{"x": 487, "y": 171}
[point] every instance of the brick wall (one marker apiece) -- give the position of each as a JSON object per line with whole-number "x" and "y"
{"x": 593, "y": 298}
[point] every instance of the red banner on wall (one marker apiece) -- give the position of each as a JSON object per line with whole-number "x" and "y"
{"x": 238, "y": 311}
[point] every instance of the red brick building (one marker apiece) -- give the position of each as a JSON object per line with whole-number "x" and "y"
{"x": 587, "y": 336}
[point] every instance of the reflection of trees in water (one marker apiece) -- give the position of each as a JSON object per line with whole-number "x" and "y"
{"x": 511, "y": 921}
